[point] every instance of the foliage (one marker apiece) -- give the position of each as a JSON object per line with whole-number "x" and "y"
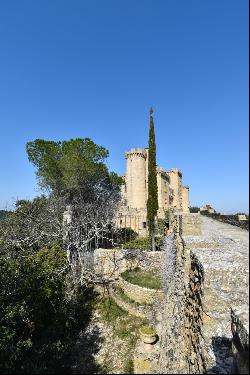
{"x": 147, "y": 330}
{"x": 69, "y": 165}
{"x": 146, "y": 279}
{"x": 4, "y": 214}
{"x": 38, "y": 321}
{"x": 194, "y": 209}
{"x": 142, "y": 243}
{"x": 34, "y": 224}
{"x": 162, "y": 224}
{"x": 152, "y": 202}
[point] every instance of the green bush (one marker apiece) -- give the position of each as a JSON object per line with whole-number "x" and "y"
{"x": 142, "y": 243}
{"x": 38, "y": 323}
{"x": 147, "y": 330}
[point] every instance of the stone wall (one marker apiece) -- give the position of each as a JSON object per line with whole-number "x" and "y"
{"x": 194, "y": 311}
{"x": 181, "y": 346}
{"x": 222, "y": 250}
{"x": 112, "y": 262}
{"x": 191, "y": 224}
{"x": 240, "y": 344}
{"x": 138, "y": 293}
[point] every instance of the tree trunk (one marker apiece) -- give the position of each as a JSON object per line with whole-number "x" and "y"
{"x": 153, "y": 237}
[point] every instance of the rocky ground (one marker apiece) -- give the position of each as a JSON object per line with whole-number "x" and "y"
{"x": 106, "y": 347}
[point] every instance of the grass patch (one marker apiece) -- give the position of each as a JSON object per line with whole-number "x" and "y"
{"x": 146, "y": 279}
{"x": 141, "y": 243}
{"x": 125, "y": 327}
{"x": 125, "y": 298}
{"x": 110, "y": 311}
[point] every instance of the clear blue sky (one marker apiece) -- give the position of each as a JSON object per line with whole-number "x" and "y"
{"x": 93, "y": 69}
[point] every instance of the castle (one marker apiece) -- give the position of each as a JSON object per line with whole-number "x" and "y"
{"x": 171, "y": 192}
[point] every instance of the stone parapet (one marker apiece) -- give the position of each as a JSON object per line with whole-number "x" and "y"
{"x": 191, "y": 224}
{"x": 136, "y": 152}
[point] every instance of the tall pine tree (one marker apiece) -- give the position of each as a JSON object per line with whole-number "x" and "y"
{"x": 152, "y": 202}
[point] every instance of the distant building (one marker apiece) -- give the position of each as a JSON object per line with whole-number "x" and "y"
{"x": 208, "y": 208}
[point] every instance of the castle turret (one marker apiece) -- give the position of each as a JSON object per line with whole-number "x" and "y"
{"x": 136, "y": 178}
{"x": 175, "y": 176}
{"x": 163, "y": 188}
{"x": 185, "y": 198}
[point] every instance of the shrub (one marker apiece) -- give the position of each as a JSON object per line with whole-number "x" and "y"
{"x": 147, "y": 330}
{"x": 142, "y": 243}
{"x": 38, "y": 321}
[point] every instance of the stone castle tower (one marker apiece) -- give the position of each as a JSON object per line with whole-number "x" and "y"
{"x": 171, "y": 192}
{"x": 136, "y": 178}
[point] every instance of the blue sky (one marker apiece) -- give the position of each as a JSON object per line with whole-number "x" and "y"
{"x": 93, "y": 69}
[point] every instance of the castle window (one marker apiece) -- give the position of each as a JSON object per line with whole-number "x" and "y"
{"x": 144, "y": 225}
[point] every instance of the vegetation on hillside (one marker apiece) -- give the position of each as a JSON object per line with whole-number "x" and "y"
{"x": 194, "y": 209}
{"x": 40, "y": 320}
{"x": 125, "y": 327}
{"x": 45, "y": 294}
{"x": 4, "y": 214}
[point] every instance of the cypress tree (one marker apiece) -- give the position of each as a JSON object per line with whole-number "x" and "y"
{"x": 152, "y": 202}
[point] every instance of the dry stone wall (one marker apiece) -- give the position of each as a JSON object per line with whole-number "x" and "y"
{"x": 223, "y": 250}
{"x": 112, "y": 262}
{"x": 204, "y": 323}
{"x": 181, "y": 346}
{"x": 240, "y": 344}
{"x": 138, "y": 293}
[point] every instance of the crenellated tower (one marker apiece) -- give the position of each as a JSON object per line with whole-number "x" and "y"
{"x": 185, "y": 198}
{"x": 136, "y": 190}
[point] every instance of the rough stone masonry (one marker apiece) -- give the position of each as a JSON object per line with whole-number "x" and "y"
{"x": 202, "y": 322}
{"x": 204, "y": 325}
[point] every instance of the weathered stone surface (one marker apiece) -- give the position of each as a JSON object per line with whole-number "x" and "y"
{"x": 144, "y": 362}
{"x": 191, "y": 224}
{"x": 181, "y": 346}
{"x": 112, "y": 262}
{"x": 140, "y": 311}
{"x": 138, "y": 293}
{"x": 240, "y": 344}
{"x": 225, "y": 287}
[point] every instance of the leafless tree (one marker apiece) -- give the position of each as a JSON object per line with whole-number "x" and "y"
{"x": 77, "y": 224}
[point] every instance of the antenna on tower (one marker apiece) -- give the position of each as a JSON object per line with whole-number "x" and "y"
{"x": 151, "y": 111}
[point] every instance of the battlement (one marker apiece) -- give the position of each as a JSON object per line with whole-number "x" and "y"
{"x": 162, "y": 172}
{"x": 136, "y": 152}
{"x": 175, "y": 170}
{"x": 171, "y": 192}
